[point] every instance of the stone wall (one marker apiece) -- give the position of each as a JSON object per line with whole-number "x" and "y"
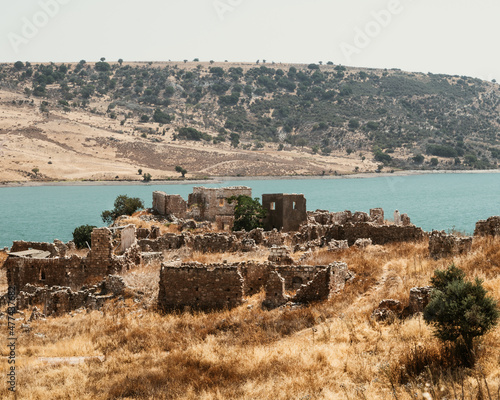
{"x": 56, "y": 300}
{"x": 211, "y": 202}
{"x": 284, "y": 212}
{"x": 275, "y": 291}
{"x": 168, "y": 241}
{"x": 489, "y": 227}
{"x": 224, "y": 222}
{"x": 379, "y": 234}
{"x": 443, "y": 245}
{"x": 62, "y": 271}
{"x": 255, "y": 275}
{"x": 199, "y": 287}
{"x": 56, "y": 249}
{"x": 169, "y": 204}
{"x": 73, "y": 271}
{"x": 127, "y": 237}
{"x": 213, "y": 242}
{"x": 325, "y": 282}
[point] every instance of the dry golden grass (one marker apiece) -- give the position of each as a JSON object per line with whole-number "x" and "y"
{"x": 331, "y": 350}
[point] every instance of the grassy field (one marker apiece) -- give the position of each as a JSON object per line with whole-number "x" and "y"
{"x": 331, "y": 350}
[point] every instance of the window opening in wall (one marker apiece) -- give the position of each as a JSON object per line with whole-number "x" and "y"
{"x": 273, "y": 205}
{"x": 42, "y": 275}
{"x": 294, "y": 205}
{"x": 221, "y": 202}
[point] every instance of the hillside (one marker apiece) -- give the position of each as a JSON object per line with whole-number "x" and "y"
{"x": 102, "y": 121}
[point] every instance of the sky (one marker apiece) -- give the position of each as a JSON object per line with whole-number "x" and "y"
{"x": 456, "y": 37}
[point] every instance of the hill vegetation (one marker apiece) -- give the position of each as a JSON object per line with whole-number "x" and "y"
{"x": 403, "y": 120}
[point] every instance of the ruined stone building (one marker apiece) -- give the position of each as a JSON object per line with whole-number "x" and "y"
{"x": 43, "y": 268}
{"x": 284, "y": 212}
{"x": 204, "y": 204}
{"x": 218, "y": 286}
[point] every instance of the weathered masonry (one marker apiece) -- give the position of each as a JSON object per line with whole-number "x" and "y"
{"x": 204, "y": 204}
{"x": 285, "y": 212}
{"x": 169, "y": 204}
{"x": 218, "y": 286}
{"x": 25, "y": 268}
{"x": 200, "y": 287}
{"x": 489, "y": 227}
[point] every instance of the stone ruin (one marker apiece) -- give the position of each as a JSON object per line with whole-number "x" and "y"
{"x": 74, "y": 271}
{"x": 200, "y": 287}
{"x": 284, "y": 212}
{"x": 326, "y": 282}
{"x": 218, "y": 286}
{"x": 489, "y": 227}
{"x": 443, "y": 245}
{"x": 323, "y": 227}
{"x": 57, "y": 300}
{"x": 204, "y": 204}
{"x": 280, "y": 255}
{"x": 389, "y": 309}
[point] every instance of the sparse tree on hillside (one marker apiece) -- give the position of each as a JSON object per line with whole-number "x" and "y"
{"x": 181, "y": 170}
{"x": 35, "y": 171}
{"x": 147, "y": 177}
{"x": 120, "y": 61}
{"x": 139, "y": 171}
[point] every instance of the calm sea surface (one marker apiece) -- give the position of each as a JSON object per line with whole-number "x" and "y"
{"x": 433, "y": 201}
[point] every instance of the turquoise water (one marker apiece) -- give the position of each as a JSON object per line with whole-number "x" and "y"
{"x": 433, "y": 201}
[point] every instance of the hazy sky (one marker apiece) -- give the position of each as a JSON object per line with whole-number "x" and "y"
{"x": 440, "y": 36}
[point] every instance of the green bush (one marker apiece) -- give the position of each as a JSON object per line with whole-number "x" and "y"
{"x": 81, "y": 235}
{"x": 188, "y": 133}
{"x": 248, "y": 213}
{"x": 123, "y": 205}
{"x": 460, "y": 311}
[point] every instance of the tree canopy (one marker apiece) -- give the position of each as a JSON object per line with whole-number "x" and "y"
{"x": 459, "y": 310}
{"x": 123, "y": 205}
{"x": 248, "y": 213}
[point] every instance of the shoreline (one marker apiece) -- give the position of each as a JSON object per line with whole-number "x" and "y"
{"x": 221, "y": 179}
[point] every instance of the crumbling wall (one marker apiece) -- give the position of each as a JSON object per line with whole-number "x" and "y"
{"x": 275, "y": 291}
{"x": 224, "y": 222}
{"x": 200, "y": 287}
{"x": 419, "y": 298}
{"x": 280, "y": 255}
{"x": 56, "y": 249}
{"x": 73, "y": 271}
{"x": 213, "y": 242}
{"x": 168, "y": 241}
{"x": 127, "y": 237}
{"x": 377, "y": 215}
{"x": 169, "y": 204}
{"x": 63, "y": 271}
{"x": 323, "y": 217}
{"x": 255, "y": 276}
{"x": 443, "y": 245}
{"x": 284, "y": 212}
{"x": 489, "y": 227}
{"x": 379, "y": 234}
{"x": 297, "y": 275}
{"x": 211, "y": 202}
{"x": 57, "y": 300}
